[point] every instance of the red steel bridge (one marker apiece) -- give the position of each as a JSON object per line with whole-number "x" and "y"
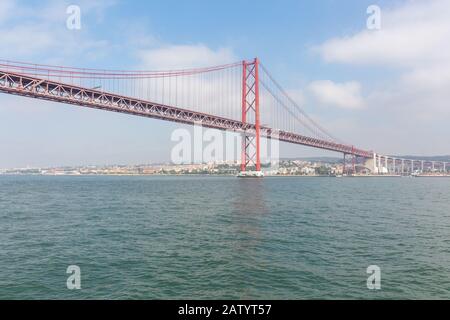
{"x": 241, "y": 97}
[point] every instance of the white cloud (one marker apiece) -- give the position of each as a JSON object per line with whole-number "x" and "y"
{"x": 184, "y": 56}
{"x": 345, "y": 95}
{"x": 416, "y": 33}
{"x": 435, "y": 77}
{"x": 38, "y": 39}
{"x": 6, "y": 7}
{"x": 29, "y": 31}
{"x": 407, "y": 109}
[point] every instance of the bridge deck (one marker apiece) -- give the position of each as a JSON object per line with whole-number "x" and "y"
{"x": 40, "y": 88}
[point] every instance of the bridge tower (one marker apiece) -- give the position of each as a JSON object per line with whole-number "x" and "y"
{"x": 250, "y": 115}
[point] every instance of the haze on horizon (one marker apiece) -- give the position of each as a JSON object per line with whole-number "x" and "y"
{"x": 384, "y": 90}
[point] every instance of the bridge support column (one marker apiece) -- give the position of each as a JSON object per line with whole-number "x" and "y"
{"x": 386, "y": 163}
{"x": 250, "y": 115}
{"x": 353, "y": 164}
{"x": 244, "y": 116}
{"x": 374, "y": 163}
{"x": 379, "y": 165}
{"x": 344, "y": 164}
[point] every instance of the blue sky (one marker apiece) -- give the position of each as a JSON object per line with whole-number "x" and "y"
{"x": 383, "y": 90}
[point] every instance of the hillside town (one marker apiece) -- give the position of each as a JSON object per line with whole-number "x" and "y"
{"x": 291, "y": 167}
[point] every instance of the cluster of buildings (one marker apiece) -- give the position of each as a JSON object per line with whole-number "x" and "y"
{"x": 308, "y": 168}
{"x": 284, "y": 167}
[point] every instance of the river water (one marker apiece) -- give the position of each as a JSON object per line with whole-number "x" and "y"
{"x": 223, "y": 237}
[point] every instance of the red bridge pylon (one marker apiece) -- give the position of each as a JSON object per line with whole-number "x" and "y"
{"x": 250, "y": 114}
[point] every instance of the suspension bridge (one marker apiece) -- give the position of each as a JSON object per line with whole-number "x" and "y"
{"x": 242, "y": 97}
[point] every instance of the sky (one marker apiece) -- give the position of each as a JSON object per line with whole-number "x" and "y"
{"x": 385, "y": 90}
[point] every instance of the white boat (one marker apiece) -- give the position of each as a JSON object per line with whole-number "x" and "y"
{"x": 250, "y": 174}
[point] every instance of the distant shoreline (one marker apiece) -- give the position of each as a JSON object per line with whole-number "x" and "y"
{"x": 218, "y": 175}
